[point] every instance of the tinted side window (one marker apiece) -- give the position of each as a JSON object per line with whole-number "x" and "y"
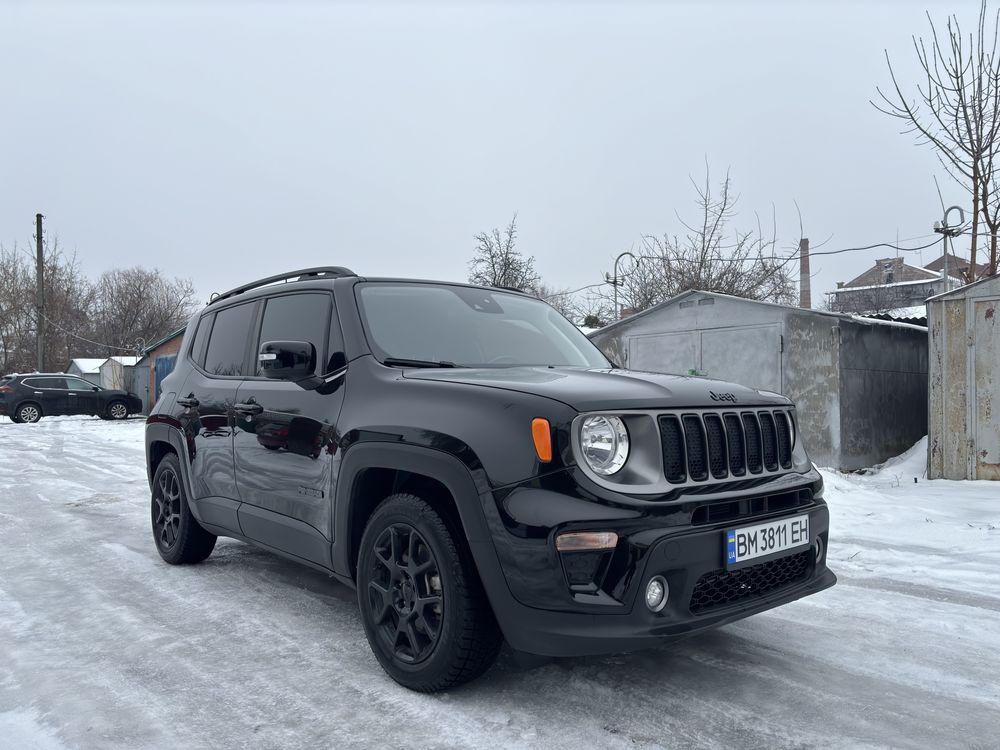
{"x": 200, "y": 339}
{"x": 298, "y": 317}
{"x": 227, "y": 345}
{"x": 46, "y": 383}
{"x": 77, "y": 384}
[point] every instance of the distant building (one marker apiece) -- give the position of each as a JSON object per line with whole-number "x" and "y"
{"x": 892, "y": 289}
{"x": 157, "y": 362}
{"x": 116, "y": 373}
{"x": 88, "y": 369}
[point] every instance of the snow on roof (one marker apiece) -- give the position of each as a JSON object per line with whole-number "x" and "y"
{"x": 125, "y": 361}
{"x": 928, "y": 280}
{"x": 88, "y": 366}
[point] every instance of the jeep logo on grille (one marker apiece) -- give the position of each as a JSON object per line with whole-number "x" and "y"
{"x": 722, "y": 396}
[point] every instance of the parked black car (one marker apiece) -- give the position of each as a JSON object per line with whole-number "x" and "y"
{"x": 28, "y": 398}
{"x": 479, "y": 471}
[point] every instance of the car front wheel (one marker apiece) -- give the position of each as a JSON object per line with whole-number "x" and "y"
{"x": 180, "y": 539}
{"x": 422, "y": 604}
{"x": 117, "y": 410}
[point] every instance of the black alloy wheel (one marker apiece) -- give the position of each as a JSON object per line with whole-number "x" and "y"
{"x": 404, "y": 593}
{"x": 422, "y": 604}
{"x": 117, "y": 410}
{"x": 180, "y": 539}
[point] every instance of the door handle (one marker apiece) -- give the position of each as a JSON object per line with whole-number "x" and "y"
{"x": 188, "y": 401}
{"x": 250, "y": 407}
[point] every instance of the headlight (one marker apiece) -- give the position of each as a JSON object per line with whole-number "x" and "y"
{"x": 604, "y": 441}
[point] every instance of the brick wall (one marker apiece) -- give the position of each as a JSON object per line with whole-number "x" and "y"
{"x": 169, "y": 347}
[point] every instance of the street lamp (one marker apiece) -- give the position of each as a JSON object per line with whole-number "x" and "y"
{"x": 613, "y": 280}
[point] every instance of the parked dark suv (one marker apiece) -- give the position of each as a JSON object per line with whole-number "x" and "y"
{"x": 28, "y": 398}
{"x": 479, "y": 471}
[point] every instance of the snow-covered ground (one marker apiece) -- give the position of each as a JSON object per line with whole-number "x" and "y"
{"x": 104, "y": 646}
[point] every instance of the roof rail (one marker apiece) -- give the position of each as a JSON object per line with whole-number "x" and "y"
{"x": 332, "y": 272}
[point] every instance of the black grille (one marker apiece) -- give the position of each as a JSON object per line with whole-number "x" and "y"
{"x": 784, "y": 439}
{"x": 770, "y": 441}
{"x": 721, "y": 588}
{"x": 672, "y": 444}
{"x": 724, "y": 445}
{"x": 752, "y": 429}
{"x": 716, "y": 437}
{"x": 737, "y": 455}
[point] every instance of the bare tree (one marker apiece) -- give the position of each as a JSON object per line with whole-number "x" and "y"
{"x": 135, "y": 306}
{"x": 498, "y": 262}
{"x": 709, "y": 256}
{"x": 957, "y": 112}
{"x": 67, "y": 300}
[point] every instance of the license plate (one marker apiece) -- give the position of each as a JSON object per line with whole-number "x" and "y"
{"x": 766, "y": 539}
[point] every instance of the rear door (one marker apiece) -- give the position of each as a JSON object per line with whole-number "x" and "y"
{"x": 220, "y": 357}
{"x": 285, "y": 436}
{"x": 49, "y": 392}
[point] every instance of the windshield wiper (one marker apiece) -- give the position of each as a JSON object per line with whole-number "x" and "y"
{"x": 398, "y": 362}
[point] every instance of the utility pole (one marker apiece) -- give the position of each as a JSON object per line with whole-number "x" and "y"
{"x": 949, "y": 232}
{"x": 40, "y": 292}
{"x": 805, "y": 286}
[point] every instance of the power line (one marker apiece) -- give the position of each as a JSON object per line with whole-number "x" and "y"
{"x": 89, "y": 341}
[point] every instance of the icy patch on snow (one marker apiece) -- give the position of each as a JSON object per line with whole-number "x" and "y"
{"x": 23, "y": 730}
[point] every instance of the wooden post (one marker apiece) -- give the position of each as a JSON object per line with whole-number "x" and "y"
{"x": 805, "y": 287}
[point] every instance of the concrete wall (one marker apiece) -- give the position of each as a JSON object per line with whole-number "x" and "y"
{"x": 812, "y": 381}
{"x": 964, "y": 400}
{"x": 860, "y": 388}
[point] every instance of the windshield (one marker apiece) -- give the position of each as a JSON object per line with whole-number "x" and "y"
{"x": 469, "y": 327}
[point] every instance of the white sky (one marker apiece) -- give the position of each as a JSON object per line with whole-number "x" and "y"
{"x": 229, "y": 141}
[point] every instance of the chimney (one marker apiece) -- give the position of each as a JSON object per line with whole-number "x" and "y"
{"x": 805, "y": 288}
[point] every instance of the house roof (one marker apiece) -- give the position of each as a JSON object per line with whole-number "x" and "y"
{"x": 124, "y": 361}
{"x": 165, "y": 339}
{"x": 88, "y": 366}
{"x": 877, "y": 275}
{"x": 956, "y": 265}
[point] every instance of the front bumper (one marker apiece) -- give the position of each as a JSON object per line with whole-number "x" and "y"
{"x": 540, "y": 611}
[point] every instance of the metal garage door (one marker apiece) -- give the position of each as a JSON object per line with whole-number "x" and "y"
{"x": 750, "y": 355}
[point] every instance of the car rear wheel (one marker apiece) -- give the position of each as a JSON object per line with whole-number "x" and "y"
{"x": 28, "y": 413}
{"x": 422, "y": 604}
{"x": 180, "y": 539}
{"x": 117, "y": 410}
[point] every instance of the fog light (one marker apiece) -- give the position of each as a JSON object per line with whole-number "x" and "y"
{"x": 656, "y": 593}
{"x": 819, "y": 550}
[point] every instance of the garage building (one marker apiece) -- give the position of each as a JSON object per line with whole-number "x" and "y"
{"x": 860, "y": 385}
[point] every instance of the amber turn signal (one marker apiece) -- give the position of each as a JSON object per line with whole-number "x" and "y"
{"x": 580, "y": 541}
{"x": 541, "y": 433}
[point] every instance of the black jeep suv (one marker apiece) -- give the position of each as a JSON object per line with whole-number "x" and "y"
{"x": 27, "y": 398}
{"x": 478, "y": 470}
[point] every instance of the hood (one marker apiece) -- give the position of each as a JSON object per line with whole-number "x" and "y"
{"x": 608, "y": 390}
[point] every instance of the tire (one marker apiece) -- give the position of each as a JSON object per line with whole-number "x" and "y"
{"x": 117, "y": 410}
{"x": 449, "y": 638}
{"x": 178, "y": 536}
{"x": 28, "y": 412}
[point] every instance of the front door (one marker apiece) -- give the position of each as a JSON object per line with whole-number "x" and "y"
{"x": 285, "y": 445}
{"x": 81, "y": 396}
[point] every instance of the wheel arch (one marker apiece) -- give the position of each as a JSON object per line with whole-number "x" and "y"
{"x": 371, "y": 472}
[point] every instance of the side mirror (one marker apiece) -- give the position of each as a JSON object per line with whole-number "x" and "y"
{"x": 94, "y": 388}
{"x": 287, "y": 360}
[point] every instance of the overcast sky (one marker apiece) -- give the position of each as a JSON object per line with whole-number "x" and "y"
{"x": 229, "y": 141}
